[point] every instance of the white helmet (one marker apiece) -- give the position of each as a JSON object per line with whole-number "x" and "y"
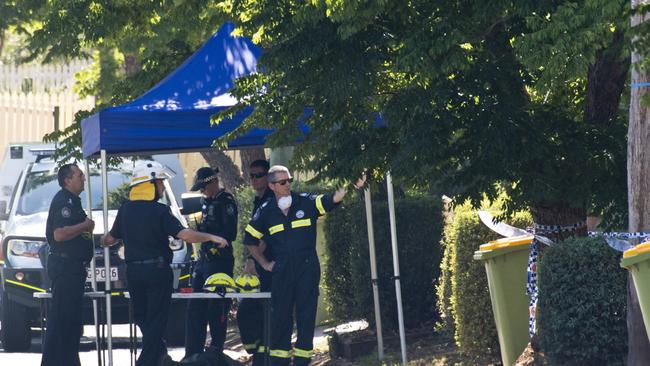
{"x": 145, "y": 171}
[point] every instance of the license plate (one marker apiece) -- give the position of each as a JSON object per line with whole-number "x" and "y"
{"x": 100, "y": 274}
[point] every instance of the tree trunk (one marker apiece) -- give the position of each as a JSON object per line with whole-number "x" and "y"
{"x": 229, "y": 173}
{"x": 638, "y": 169}
{"x": 247, "y": 157}
{"x": 131, "y": 65}
{"x": 560, "y": 214}
{"x": 605, "y": 82}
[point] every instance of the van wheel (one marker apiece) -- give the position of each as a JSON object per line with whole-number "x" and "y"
{"x": 14, "y": 329}
{"x": 175, "y": 332}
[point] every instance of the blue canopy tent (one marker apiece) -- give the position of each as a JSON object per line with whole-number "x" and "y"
{"x": 174, "y": 116}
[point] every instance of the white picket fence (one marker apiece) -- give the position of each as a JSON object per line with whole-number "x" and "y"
{"x": 36, "y": 78}
{"x": 28, "y": 117}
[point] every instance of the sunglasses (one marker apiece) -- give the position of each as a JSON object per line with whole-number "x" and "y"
{"x": 283, "y": 181}
{"x": 257, "y": 175}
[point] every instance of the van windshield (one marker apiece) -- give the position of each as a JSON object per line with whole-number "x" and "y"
{"x": 40, "y": 188}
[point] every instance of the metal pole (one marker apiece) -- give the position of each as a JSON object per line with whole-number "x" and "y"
{"x": 107, "y": 262}
{"x": 398, "y": 288}
{"x": 93, "y": 274}
{"x": 373, "y": 273}
{"x": 56, "y": 113}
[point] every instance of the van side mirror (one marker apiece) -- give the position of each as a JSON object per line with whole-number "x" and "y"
{"x": 191, "y": 204}
{"x": 4, "y": 215}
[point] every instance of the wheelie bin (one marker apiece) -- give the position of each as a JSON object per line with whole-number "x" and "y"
{"x": 505, "y": 264}
{"x": 637, "y": 261}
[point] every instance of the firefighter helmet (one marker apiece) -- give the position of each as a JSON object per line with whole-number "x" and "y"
{"x": 146, "y": 171}
{"x": 248, "y": 283}
{"x": 220, "y": 283}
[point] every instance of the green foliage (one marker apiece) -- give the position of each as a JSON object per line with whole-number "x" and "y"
{"x": 462, "y": 86}
{"x": 463, "y": 295}
{"x": 581, "y": 311}
{"x": 347, "y": 278}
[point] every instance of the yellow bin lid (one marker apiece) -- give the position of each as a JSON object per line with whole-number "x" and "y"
{"x": 639, "y": 249}
{"x": 507, "y": 242}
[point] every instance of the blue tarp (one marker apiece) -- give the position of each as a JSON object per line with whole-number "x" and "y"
{"x": 174, "y": 115}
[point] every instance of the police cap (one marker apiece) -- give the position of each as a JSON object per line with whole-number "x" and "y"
{"x": 204, "y": 176}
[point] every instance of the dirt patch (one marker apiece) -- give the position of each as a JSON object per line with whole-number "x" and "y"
{"x": 424, "y": 346}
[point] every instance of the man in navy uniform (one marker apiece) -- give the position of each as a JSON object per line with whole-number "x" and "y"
{"x": 287, "y": 224}
{"x": 219, "y": 217}
{"x": 145, "y": 225}
{"x": 69, "y": 234}
{"x": 250, "y": 316}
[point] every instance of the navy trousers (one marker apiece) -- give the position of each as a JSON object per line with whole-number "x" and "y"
{"x": 64, "y": 321}
{"x": 201, "y": 312}
{"x": 150, "y": 287}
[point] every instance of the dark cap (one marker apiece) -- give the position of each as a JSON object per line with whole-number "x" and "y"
{"x": 204, "y": 176}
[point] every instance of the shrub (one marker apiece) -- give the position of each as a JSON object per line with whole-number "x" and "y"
{"x": 348, "y": 282}
{"x": 337, "y": 276}
{"x": 581, "y": 311}
{"x": 463, "y": 295}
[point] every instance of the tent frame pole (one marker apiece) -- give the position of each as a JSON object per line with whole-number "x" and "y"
{"x": 373, "y": 273}
{"x": 107, "y": 261}
{"x": 93, "y": 273}
{"x": 398, "y": 287}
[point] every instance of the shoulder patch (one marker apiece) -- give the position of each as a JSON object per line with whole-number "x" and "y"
{"x": 230, "y": 209}
{"x": 264, "y": 204}
{"x": 256, "y": 215}
{"x": 313, "y": 197}
{"x": 304, "y": 194}
{"x": 66, "y": 212}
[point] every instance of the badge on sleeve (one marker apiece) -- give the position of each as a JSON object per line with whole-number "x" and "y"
{"x": 300, "y": 214}
{"x": 65, "y": 212}
{"x": 230, "y": 210}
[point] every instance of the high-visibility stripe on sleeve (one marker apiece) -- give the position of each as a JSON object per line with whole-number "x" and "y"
{"x": 304, "y": 353}
{"x": 280, "y": 353}
{"x": 319, "y": 205}
{"x": 251, "y": 230}
{"x": 261, "y": 349}
{"x": 276, "y": 229}
{"x": 300, "y": 223}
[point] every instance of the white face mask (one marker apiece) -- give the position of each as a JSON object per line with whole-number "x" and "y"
{"x": 284, "y": 202}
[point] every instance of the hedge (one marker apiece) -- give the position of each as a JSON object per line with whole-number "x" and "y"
{"x": 581, "y": 310}
{"x": 349, "y": 289}
{"x": 463, "y": 295}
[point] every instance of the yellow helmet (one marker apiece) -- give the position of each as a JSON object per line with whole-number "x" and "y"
{"x": 220, "y": 283}
{"x": 248, "y": 283}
